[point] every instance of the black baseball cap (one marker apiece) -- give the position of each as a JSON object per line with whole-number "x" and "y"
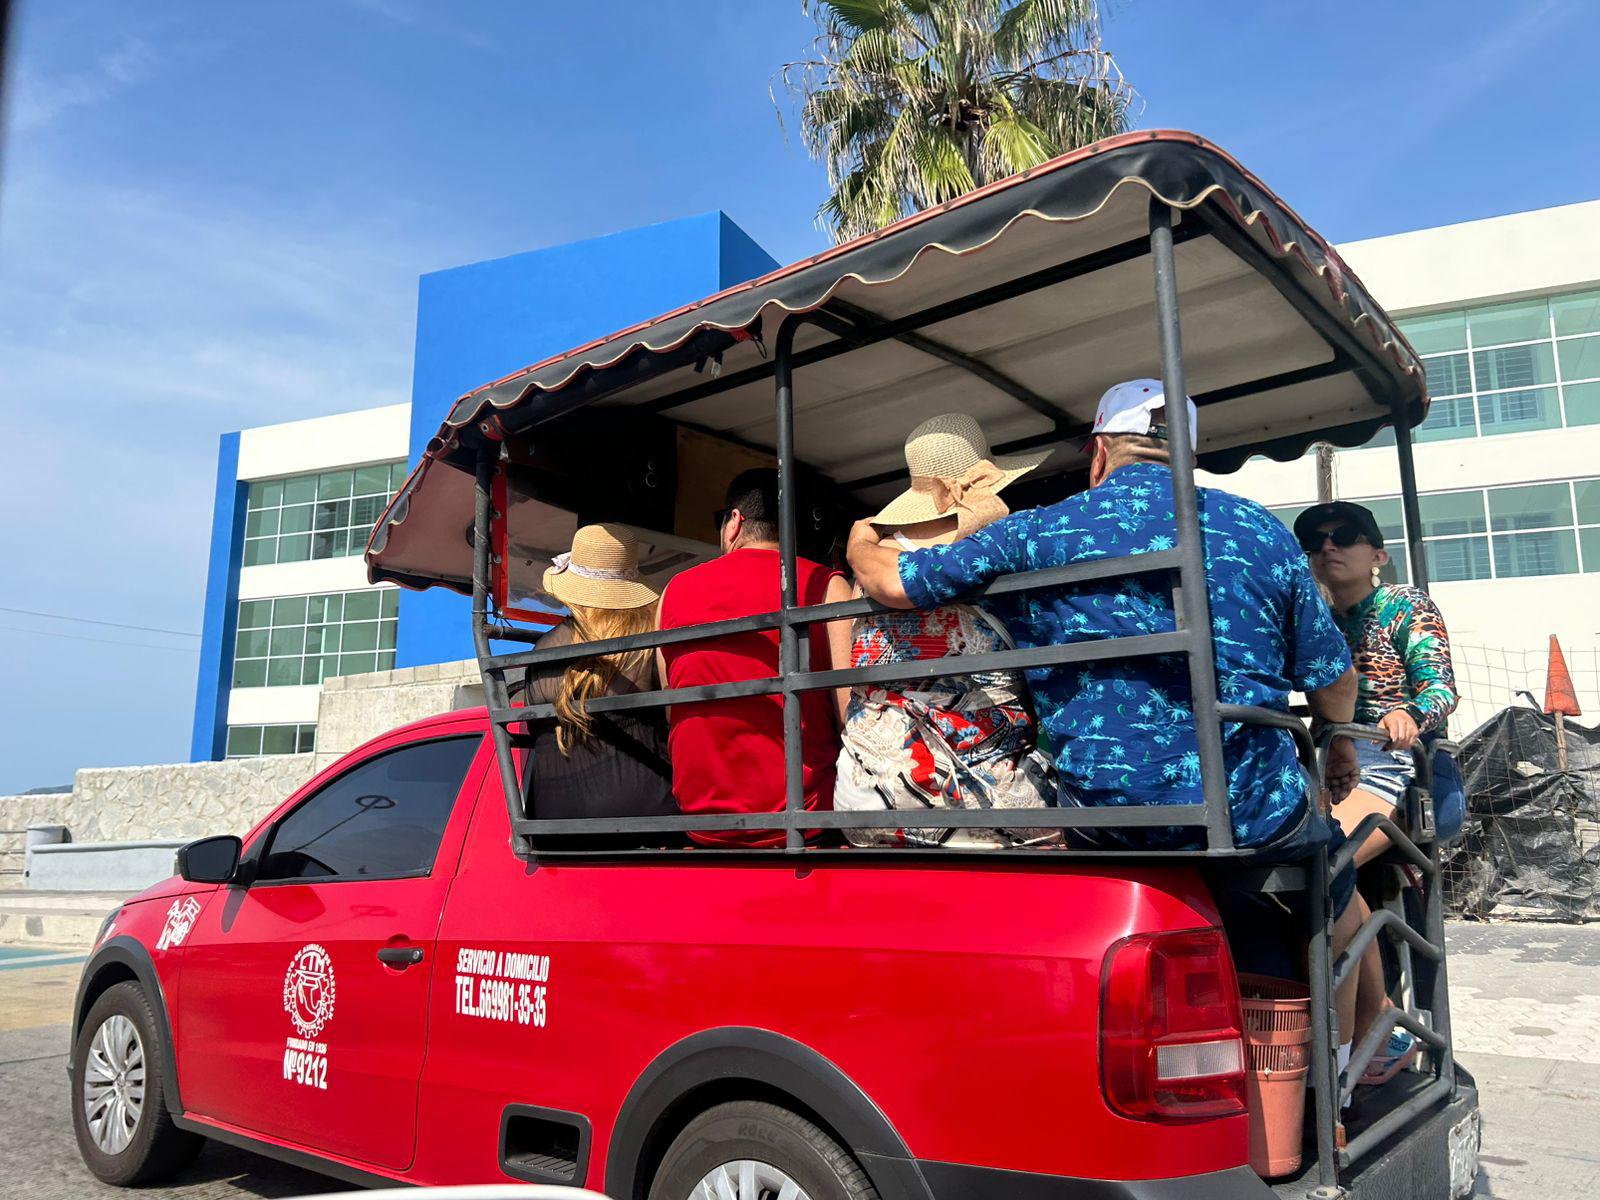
{"x": 1338, "y": 510}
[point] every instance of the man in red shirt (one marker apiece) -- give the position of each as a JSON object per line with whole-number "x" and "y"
{"x": 727, "y": 755}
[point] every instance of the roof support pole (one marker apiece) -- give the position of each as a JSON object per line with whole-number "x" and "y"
{"x": 864, "y": 320}
{"x": 1408, "y": 494}
{"x": 494, "y": 684}
{"x": 794, "y": 641}
{"x": 1192, "y": 605}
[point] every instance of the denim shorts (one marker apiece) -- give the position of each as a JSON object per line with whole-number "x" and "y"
{"x": 1385, "y": 773}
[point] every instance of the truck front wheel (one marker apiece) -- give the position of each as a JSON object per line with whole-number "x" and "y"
{"x": 749, "y": 1150}
{"x": 125, "y": 1133}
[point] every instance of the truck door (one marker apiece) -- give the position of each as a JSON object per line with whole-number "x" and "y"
{"x": 303, "y": 1012}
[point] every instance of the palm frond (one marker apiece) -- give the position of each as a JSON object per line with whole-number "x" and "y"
{"x": 941, "y": 169}
{"x": 914, "y": 102}
{"x": 1033, "y": 29}
{"x": 855, "y": 16}
{"x": 1012, "y": 143}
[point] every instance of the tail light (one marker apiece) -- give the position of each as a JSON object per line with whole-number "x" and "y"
{"x": 1170, "y": 1041}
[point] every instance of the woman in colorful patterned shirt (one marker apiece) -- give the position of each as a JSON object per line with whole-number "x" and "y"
{"x": 957, "y": 741}
{"x": 1401, "y": 651}
{"x": 1406, "y": 687}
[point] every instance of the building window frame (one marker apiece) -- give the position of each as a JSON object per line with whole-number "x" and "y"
{"x": 1471, "y": 349}
{"x": 330, "y": 517}
{"x": 249, "y": 740}
{"x": 302, "y": 629}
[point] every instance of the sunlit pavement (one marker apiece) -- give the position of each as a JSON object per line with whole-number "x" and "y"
{"x": 1526, "y": 1016}
{"x": 38, "y": 1156}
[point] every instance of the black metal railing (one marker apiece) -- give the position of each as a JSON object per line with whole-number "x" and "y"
{"x": 1429, "y": 1020}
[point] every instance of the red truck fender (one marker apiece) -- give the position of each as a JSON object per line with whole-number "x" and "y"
{"x": 722, "y": 1064}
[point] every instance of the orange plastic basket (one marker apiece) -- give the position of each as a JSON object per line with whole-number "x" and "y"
{"x": 1277, "y": 1039}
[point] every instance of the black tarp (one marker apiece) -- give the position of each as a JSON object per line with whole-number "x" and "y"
{"x": 1531, "y": 850}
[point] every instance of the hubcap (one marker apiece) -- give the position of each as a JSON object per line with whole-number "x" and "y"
{"x": 747, "y": 1179}
{"x": 113, "y": 1084}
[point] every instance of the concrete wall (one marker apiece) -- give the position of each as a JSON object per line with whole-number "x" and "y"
{"x": 357, "y": 708}
{"x": 101, "y": 866}
{"x": 183, "y": 801}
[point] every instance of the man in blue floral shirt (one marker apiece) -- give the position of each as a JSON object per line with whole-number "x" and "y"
{"x": 1122, "y": 731}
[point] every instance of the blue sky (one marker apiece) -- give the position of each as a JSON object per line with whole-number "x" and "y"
{"x": 213, "y": 216}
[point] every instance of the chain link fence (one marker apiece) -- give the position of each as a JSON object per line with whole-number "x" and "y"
{"x": 1491, "y": 680}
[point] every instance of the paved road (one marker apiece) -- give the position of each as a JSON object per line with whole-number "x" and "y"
{"x": 38, "y": 1157}
{"x": 1527, "y": 1018}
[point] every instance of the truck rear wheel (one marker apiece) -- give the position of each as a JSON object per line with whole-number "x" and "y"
{"x": 119, "y": 1112}
{"x": 748, "y": 1150}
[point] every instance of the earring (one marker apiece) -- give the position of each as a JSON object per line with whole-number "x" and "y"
{"x": 1377, "y": 576}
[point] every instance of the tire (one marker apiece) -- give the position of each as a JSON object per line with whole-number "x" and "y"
{"x": 758, "y": 1146}
{"x": 133, "y": 1139}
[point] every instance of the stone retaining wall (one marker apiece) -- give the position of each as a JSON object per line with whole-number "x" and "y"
{"x": 180, "y": 800}
{"x": 190, "y": 800}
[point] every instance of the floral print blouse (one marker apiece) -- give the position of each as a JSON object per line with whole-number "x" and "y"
{"x": 1402, "y": 653}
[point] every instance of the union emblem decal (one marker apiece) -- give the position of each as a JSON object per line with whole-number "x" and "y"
{"x": 180, "y": 920}
{"x": 308, "y": 990}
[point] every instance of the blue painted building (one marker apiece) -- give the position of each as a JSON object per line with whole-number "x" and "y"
{"x": 287, "y": 602}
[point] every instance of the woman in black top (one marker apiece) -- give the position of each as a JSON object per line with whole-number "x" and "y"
{"x": 600, "y": 764}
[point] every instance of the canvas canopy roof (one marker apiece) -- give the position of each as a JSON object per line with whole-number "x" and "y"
{"x": 1019, "y": 303}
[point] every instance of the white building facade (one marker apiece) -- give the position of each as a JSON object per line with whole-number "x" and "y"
{"x": 1506, "y": 314}
{"x": 304, "y": 611}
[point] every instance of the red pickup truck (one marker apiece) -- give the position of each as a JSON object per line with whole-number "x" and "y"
{"x": 383, "y": 989}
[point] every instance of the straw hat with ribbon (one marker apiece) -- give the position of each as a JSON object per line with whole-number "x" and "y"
{"x": 600, "y": 571}
{"x": 952, "y": 471}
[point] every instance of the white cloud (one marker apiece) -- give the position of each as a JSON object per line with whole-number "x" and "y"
{"x": 138, "y": 322}
{"x": 42, "y": 98}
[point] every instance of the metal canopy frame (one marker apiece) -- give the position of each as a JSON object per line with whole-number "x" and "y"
{"x": 1182, "y": 568}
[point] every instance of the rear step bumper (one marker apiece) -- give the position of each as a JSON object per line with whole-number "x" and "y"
{"x": 953, "y": 1181}
{"x": 1412, "y": 1165}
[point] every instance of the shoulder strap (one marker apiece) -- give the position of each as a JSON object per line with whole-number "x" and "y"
{"x": 994, "y": 623}
{"x": 624, "y": 743}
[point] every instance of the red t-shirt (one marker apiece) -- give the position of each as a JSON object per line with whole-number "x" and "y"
{"x": 727, "y": 755}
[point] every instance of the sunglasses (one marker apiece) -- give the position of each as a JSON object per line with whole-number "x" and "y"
{"x": 719, "y": 518}
{"x": 1342, "y": 536}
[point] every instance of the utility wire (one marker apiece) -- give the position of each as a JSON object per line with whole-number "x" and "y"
{"x": 28, "y": 612}
{"x": 75, "y": 637}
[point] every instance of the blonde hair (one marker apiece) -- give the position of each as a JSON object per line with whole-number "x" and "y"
{"x": 590, "y": 677}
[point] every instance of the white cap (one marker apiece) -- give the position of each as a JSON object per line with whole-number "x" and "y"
{"x": 1126, "y": 408}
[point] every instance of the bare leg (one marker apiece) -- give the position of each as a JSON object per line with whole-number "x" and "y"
{"x": 1344, "y": 998}
{"x": 1371, "y": 996}
{"x": 1357, "y": 805}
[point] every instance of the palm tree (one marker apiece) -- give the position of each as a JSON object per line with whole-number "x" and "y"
{"x": 915, "y": 102}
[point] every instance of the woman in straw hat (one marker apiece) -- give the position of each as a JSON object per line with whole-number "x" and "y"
{"x": 599, "y": 764}
{"x": 959, "y": 741}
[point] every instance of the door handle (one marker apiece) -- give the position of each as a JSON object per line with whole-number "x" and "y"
{"x": 400, "y": 956}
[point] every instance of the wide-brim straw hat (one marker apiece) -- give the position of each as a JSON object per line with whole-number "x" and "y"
{"x": 600, "y": 571}
{"x": 952, "y": 471}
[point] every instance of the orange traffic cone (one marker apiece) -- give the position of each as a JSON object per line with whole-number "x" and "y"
{"x": 1560, "y": 699}
{"x": 1559, "y": 694}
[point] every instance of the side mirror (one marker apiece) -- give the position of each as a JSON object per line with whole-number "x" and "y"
{"x": 210, "y": 860}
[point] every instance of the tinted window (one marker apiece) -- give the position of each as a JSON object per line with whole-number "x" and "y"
{"x": 381, "y": 820}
